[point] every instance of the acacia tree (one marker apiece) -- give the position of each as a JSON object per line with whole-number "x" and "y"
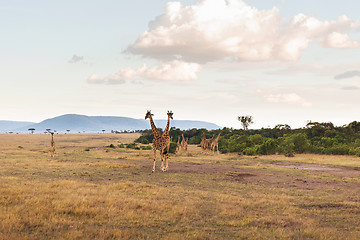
{"x": 245, "y": 121}
{"x": 31, "y": 130}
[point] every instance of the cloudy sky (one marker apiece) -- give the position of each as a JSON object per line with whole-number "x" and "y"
{"x": 281, "y": 61}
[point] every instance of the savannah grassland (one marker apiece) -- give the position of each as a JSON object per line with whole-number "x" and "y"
{"x": 91, "y": 191}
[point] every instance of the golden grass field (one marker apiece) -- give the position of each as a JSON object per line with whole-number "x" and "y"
{"x": 90, "y": 191}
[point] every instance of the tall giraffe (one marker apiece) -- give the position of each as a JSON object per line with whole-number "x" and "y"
{"x": 215, "y": 144}
{"x": 52, "y": 145}
{"x": 159, "y": 143}
{"x": 207, "y": 142}
{"x": 203, "y": 141}
{"x": 166, "y": 136}
{"x": 183, "y": 143}
{"x": 178, "y": 145}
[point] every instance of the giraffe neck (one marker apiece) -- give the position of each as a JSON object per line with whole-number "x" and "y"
{"x": 217, "y": 139}
{"x": 166, "y": 131}
{"x": 153, "y": 128}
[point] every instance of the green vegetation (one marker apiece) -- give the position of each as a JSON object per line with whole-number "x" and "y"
{"x": 172, "y": 148}
{"x": 318, "y": 138}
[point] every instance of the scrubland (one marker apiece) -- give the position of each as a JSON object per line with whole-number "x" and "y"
{"x": 91, "y": 191}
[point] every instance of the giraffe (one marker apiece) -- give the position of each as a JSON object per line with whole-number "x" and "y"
{"x": 215, "y": 144}
{"x": 178, "y": 144}
{"x": 159, "y": 143}
{"x": 183, "y": 143}
{"x": 206, "y": 143}
{"x": 166, "y": 137}
{"x": 52, "y": 145}
{"x": 165, "y": 134}
{"x": 203, "y": 141}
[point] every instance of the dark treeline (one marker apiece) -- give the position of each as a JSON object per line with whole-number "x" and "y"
{"x": 319, "y": 138}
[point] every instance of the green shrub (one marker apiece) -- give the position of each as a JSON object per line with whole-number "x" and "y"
{"x": 257, "y": 139}
{"x": 339, "y": 149}
{"x": 355, "y": 151}
{"x": 251, "y": 150}
{"x": 87, "y": 150}
{"x": 328, "y": 142}
{"x": 268, "y": 147}
{"x": 301, "y": 143}
{"x": 111, "y": 146}
{"x": 148, "y": 147}
{"x": 132, "y": 146}
{"x": 173, "y": 147}
{"x": 237, "y": 143}
{"x": 145, "y": 139}
{"x": 121, "y": 145}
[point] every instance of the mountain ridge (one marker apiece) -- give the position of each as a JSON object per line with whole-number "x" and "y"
{"x": 84, "y": 123}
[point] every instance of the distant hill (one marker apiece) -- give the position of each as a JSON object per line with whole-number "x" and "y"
{"x": 12, "y": 125}
{"x": 80, "y": 123}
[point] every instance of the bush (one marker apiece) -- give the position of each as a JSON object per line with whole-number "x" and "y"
{"x": 301, "y": 143}
{"x": 112, "y": 146}
{"x": 121, "y": 145}
{"x": 132, "y": 146}
{"x": 173, "y": 147}
{"x": 328, "y": 142}
{"x": 257, "y": 139}
{"x": 238, "y": 143}
{"x": 251, "y": 150}
{"x": 268, "y": 147}
{"x": 339, "y": 149}
{"x": 355, "y": 151}
{"x": 145, "y": 139}
{"x": 146, "y": 147}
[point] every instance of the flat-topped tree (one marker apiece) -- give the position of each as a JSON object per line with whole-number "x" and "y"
{"x": 31, "y": 130}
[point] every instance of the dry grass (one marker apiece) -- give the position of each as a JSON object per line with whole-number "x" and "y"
{"x": 107, "y": 193}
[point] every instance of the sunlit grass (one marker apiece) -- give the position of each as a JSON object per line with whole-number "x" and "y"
{"x": 110, "y": 193}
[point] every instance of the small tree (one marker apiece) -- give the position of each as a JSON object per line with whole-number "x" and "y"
{"x": 31, "y": 130}
{"x": 246, "y": 121}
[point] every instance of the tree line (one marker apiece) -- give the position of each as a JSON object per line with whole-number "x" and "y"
{"x": 315, "y": 137}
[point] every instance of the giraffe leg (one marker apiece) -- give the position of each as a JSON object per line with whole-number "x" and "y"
{"x": 166, "y": 162}
{"x": 162, "y": 162}
{"x": 153, "y": 170}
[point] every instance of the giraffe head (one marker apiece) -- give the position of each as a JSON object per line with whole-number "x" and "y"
{"x": 148, "y": 114}
{"x": 170, "y": 114}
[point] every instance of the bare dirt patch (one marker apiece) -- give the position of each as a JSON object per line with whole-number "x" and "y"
{"x": 311, "y": 167}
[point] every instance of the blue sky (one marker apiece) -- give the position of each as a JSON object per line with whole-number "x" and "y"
{"x": 281, "y": 61}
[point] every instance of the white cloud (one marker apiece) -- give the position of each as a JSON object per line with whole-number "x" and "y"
{"x": 172, "y": 71}
{"x": 339, "y": 40}
{"x": 216, "y": 29}
{"x": 289, "y": 98}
